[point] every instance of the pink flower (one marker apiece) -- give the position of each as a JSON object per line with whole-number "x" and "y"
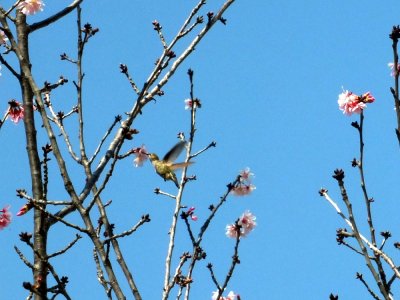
{"x": 141, "y": 156}
{"x": 30, "y": 7}
{"x": 230, "y": 296}
{"x": 244, "y": 187}
{"x": 190, "y": 213}
{"x": 248, "y": 222}
{"x": 5, "y": 217}
{"x": 231, "y": 231}
{"x": 350, "y": 103}
{"x": 245, "y": 224}
{"x": 3, "y": 37}
{"x": 391, "y": 66}
{"x": 15, "y": 111}
{"x": 245, "y": 175}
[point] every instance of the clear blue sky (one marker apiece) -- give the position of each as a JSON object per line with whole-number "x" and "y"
{"x": 268, "y": 82}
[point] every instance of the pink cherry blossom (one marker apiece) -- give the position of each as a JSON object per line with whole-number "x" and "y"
{"x": 141, "y": 156}
{"x": 350, "y": 103}
{"x": 15, "y": 111}
{"x": 230, "y": 296}
{"x": 246, "y": 175}
{"x": 243, "y": 189}
{"x": 231, "y": 231}
{"x": 5, "y": 217}
{"x": 246, "y": 223}
{"x": 30, "y": 7}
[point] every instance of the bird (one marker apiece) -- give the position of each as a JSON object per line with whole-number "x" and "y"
{"x": 165, "y": 167}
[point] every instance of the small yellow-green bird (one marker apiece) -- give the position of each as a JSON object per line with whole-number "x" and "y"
{"x": 165, "y": 167}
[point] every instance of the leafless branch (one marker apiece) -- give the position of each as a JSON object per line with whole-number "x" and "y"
{"x": 55, "y": 17}
{"x": 144, "y": 219}
{"x": 24, "y": 259}
{"x": 69, "y": 246}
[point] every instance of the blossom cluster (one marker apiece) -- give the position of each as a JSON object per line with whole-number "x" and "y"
{"x": 230, "y": 296}
{"x": 244, "y": 186}
{"x": 351, "y": 103}
{"x": 245, "y": 224}
{"x": 5, "y": 217}
{"x": 30, "y": 7}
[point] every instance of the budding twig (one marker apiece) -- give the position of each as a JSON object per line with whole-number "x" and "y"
{"x": 117, "y": 119}
{"x": 144, "y": 219}
{"x": 361, "y": 278}
{"x": 212, "y": 144}
{"x": 24, "y": 259}
{"x": 69, "y": 246}
{"x": 362, "y": 239}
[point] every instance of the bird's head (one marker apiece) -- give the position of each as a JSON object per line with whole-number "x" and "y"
{"x": 153, "y": 157}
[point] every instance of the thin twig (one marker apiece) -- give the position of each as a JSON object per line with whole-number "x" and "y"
{"x": 189, "y": 229}
{"x": 198, "y": 21}
{"x": 365, "y": 240}
{"x": 4, "y": 118}
{"x": 58, "y": 121}
{"x": 160, "y": 192}
{"x": 60, "y": 284}
{"x": 184, "y": 54}
{"x": 360, "y": 277}
{"x": 395, "y": 92}
{"x": 212, "y": 144}
{"x": 12, "y": 7}
{"x": 143, "y": 220}
{"x": 83, "y": 230}
{"x": 117, "y": 119}
{"x": 355, "y": 250}
{"x": 213, "y": 277}
{"x": 235, "y": 261}
{"x": 69, "y": 246}
{"x": 55, "y": 17}
{"x": 367, "y": 200}
{"x": 24, "y": 259}
{"x": 9, "y": 67}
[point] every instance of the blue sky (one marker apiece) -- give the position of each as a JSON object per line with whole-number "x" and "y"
{"x": 268, "y": 82}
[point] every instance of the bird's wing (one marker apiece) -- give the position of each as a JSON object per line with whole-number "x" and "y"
{"x": 181, "y": 165}
{"x": 173, "y": 154}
